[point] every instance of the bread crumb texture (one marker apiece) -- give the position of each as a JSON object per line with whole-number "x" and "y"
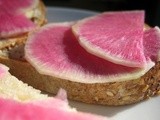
{"x": 12, "y": 88}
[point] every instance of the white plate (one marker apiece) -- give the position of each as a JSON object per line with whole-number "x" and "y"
{"x": 56, "y": 14}
{"x": 146, "y": 110}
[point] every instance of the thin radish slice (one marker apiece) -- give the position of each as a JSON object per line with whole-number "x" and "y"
{"x": 12, "y": 25}
{"x": 152, "y": 43}
{"x": 17, "y": 6}
{"x": 114, "y": 36}
{"x": 46, "y": 109}
{"x": 54, "y": 51}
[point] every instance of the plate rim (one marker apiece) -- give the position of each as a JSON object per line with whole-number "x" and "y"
{"x": 70, "y": 9}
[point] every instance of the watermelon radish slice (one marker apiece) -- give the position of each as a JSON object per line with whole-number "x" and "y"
{"x": 152, "y": 43}
{"x": 12, "y": 17}
{"x": 17, "y": 6}
{"x": 3, "y": 70}
{"x": 114, "y": 36}
{"x": 42, "y": 110}
{"x": 62, "y": 95}
{"x": 60, "y": 99}
{"x": 54, "y": 51}
{"x": 11, "y": 25}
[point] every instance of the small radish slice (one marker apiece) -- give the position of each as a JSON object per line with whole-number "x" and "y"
{"x": 12, "y": 25}
{"x": 16, "y": 6}
{"x": 152, "y": 43}
{"x": 46, "y": 109}
{"x": 114, "y": 36}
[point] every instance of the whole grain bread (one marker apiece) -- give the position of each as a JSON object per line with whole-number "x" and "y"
{"x": 113, "y": 93}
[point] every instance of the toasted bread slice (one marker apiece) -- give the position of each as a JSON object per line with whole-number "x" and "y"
{"x": 113, "y": 93}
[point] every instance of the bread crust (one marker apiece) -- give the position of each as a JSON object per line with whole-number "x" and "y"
{"x": 113, "y": 93}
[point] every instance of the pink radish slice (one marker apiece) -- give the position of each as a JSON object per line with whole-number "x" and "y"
{"x": 54, "y": 51}
{"x": 62, "y": 95}
{"x": 152, "y": 43}
{"x": 114, "y": 36}
{"x": 11, "y": 25}
{"x": 13, "y": 110}
{"x": 16, "y": 6}
{"x": 53, "y": 102}
{"x": 3, "y": 70}
{"x": 60, "y": 99}
{"x": 12, "y": 17}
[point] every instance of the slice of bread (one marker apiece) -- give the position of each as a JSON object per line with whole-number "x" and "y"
{"x": 113, "y": 93}
{"x": 12, "y": 88}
